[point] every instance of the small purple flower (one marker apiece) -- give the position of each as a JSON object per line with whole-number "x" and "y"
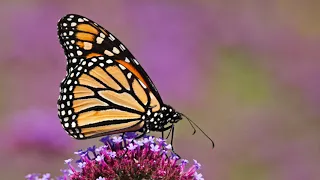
{"x": 78, "y": 152}
{"x": 99, "y": 149}
{"x": 28, "y": 176}
{"x": 112, "y": 154}
{"x": 131, "y": 147}
{"x": 198, "y": 165}
{"x": 84, "y": 154}
{"x": 139, "y": 143}
{"x": 160, "y": 140}
{"x": 175, "y": 157}
{"x": 70, "y": 172}
{"x": 154, "y": 148}
{"x": 99, "y": 158}
{"x": 100, "y": 178}
{"x": 32, "y": 176}
{"x": 138, "y": 160}
{"x": 82, "y": 164}
{"x": 67, "y": 161}
{"x": 37, "y": 177}
{"x": 198, "y": 176}
{"x": 46, "y": 176}
{"x": 117, "y": 139}
{"x": 184, "y": 161}
{"x": 168, "y": 147}
{"x": 149, "y": 139}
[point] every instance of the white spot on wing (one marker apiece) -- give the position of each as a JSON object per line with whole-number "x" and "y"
{"x": 122, "y": 47}
{"x": 115, "y": 50}
{"x": 129, "y": 75}
{"x": 79, "y": 53}
{"x": 102, "y": 35}
{"x": 111, "y": 37}
{"x": 99, "y": 40}
{"x": 109, "y": 61}
{"x": 66, "y": 125}
{"x": 108, "y": 53}
{"x": 73, "y": 124}
{"x": 122, "y": 67}
{"x": 136, "y": 61}
{"x": 87, "y": 45}
{"x": 144, "y": 86}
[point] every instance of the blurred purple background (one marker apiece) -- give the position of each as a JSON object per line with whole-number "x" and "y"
{"x": 246, "y": 71}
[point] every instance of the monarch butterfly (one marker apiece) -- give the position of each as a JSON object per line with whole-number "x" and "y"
{"x": 106, "y": 91}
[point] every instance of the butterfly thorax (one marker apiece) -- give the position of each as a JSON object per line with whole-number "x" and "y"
{"x": 160, "y": 120}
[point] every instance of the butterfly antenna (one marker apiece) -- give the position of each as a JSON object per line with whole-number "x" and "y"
{"x": 191, "y": 122}
{"x": 194, "y": 129}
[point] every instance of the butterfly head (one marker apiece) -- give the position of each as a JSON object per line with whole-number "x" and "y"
{"x": 176, "y": 117}
{"x": 171, "y": 114}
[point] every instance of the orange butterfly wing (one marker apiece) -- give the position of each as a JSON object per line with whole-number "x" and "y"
{"x": 106, "y": 90}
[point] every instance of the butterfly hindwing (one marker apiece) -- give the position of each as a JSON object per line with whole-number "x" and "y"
{"x": 102, "y": 96}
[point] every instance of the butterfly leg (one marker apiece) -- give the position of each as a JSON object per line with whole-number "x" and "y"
{"x": 172, "y": 130}
{"x": 170, "y": 127}
{"x": 165, "y": 129}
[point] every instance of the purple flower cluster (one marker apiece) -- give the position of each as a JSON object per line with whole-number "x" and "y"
{"x": 126, "y": 158}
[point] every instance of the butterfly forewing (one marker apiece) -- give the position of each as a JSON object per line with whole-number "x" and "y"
{"x": 82, "y": 38}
